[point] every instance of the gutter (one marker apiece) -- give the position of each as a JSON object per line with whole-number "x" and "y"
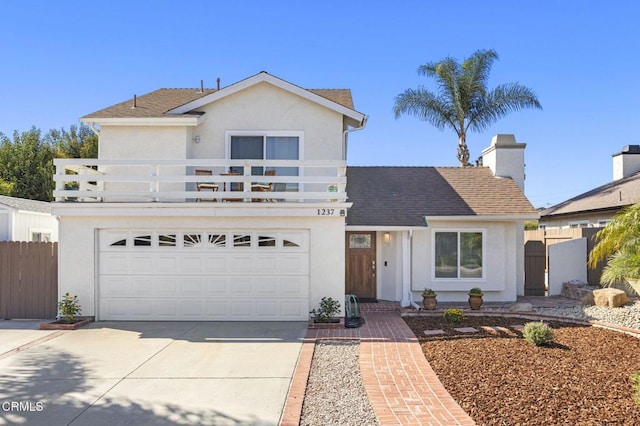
{"x": 362, "y": 125}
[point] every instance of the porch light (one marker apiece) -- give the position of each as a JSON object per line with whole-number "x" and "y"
{"x": 386, "y": 238}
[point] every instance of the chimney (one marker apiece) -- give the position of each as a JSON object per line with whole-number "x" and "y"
{"x": 626, "y": 162}
{"x": 505, "y": 158}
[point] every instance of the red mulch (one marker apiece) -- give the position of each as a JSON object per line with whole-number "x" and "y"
{"x": 581, "y": 379}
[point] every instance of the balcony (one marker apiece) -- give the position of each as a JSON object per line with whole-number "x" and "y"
{"x": 175, "y": 181}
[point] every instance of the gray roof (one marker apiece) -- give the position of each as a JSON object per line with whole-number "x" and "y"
{"x": 25, "y": 205}
{"x": 159, "y": 102}
{"x": 611, "y": 196}
{"x": 403, "y": 196}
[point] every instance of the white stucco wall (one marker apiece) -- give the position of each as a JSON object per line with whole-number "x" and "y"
{"x": 5, "y": 227}
{"x": 567, "y": 261}
{"x": 503, "y": 262}
{"x": 266, "y": 107}
{"x": 78, "y": 249}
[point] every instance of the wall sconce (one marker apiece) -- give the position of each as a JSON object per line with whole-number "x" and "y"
{"x": 196, "y": 139}
{"x": 386, "y": 237}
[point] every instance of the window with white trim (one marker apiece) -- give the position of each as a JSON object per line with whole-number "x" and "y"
{"x": 272, "y": 145}
{"x": 458, "y": 254}
{"x": 579, "y": 224}
{"x": 40, "y": 236}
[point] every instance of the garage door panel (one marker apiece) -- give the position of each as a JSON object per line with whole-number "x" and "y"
{"x": 203, "y": 278}
{"x": 217, "y": 264}
{"x": 295, "y": 263}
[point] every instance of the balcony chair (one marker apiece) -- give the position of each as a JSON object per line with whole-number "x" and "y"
{"x": 263, "y": 187}
{"x": 206, "y": 186}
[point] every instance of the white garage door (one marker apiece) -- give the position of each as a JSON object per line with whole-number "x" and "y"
{"x": 204, "y": 275}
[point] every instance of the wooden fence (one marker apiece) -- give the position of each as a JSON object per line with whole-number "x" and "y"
{"x": 28, "y": 280}
{"x": 554, "y": 236}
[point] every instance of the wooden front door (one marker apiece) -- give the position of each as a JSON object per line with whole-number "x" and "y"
{"x": 360, "y": 274}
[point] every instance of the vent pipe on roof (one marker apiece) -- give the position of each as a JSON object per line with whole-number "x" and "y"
{"x": 201, "y": 86}
{"x": 218, "y": 83}
{"x": 135, "y": 101}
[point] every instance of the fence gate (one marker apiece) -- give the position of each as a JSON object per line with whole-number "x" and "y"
{"x": 28, "y": 280}
{"x": 534, "y": 266}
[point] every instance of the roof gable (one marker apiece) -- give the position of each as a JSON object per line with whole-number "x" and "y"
{"x": 403, "y": 196}
{"x": 179, "y": 106}
{"x": 336, "y": 99}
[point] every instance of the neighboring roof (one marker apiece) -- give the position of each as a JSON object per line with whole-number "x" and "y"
{"x": 611, "y": 196}
{"x": 25, "y": 205}
{"x": 403, "y": 196}
{"x": 178, "y": 103}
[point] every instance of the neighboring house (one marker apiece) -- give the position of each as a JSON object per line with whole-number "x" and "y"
{"x": 236, "y": 204}
{"x": 597, "y": 207}
{"x": 27, "y": 220}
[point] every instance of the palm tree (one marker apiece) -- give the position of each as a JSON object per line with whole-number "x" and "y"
{"x": 463, "y": 101}
{"x": 619, "y": 244}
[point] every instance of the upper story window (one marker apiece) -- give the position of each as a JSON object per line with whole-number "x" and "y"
{"x": 458, "y": 254}
{"x": 251, "y": 145}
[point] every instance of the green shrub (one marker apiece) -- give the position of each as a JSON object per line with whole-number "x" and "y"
{"x": 635, "y": 379}
{"x": 476, "y": 291}
{"x": 68, "y": 308}
{"x": 538, "y": 333}
{"x": 453, "y": 315}
{"x": 428, "y": 292}
{"x": 327, "y": 310}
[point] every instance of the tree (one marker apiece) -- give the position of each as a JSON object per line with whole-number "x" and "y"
{"x": 463, "y": 101}
{"x": 26, "y": 165}
{"x": 619, "y": 244}
{"x": 78, "y": 142}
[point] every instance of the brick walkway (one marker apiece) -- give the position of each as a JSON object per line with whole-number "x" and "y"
{"x": 402, "y": 387}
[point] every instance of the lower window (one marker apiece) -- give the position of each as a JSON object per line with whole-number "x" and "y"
{"x": 458, "y": 254}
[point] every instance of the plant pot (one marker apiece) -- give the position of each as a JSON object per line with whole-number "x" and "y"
{"x": 429, "y": 302}
{"x": 475, "y": 301}
{"x": 335, "y": 323}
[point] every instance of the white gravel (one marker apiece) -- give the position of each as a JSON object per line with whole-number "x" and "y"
{"x": 335, "y": 393}
{"x": 626, "y": 316}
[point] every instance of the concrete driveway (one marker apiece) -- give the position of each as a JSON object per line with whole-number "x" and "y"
{"x": 148, "y": 373}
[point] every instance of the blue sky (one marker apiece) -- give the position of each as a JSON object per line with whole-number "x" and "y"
{"x": 62, "y": 60}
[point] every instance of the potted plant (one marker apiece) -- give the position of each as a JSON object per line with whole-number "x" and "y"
{"x": 475, "y": 298}
{"x": 325, "y": 315}
{"x": 429, "y": 299}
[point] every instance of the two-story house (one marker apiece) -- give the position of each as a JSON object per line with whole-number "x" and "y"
{"x": 236, "y": 204}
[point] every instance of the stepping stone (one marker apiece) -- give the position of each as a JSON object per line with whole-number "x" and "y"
{"x": 434, "y": 332}
{"x": 518, "y": 327}
{"x": 467, "y": 330}
{"x": 498, "y": 330}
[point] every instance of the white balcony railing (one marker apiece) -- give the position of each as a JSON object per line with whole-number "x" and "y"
{"x": 91, "y": 180}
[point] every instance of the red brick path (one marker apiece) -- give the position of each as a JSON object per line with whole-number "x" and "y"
{"x": 402, "y": 387}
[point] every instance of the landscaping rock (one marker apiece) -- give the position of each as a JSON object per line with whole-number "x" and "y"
{"x": 588, "y": 300}
{"x": 610, "y": 297}
{"x": 521, "y": 307}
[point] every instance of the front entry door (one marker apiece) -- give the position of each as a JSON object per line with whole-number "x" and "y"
{"x": 360, "y": 268}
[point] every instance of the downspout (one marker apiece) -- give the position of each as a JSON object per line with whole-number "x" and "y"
{"x": 363, "y": 123}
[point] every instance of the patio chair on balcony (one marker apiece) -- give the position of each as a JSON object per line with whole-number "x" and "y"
{"x": 206, "y": 186}
{"x": 263, "y": 186}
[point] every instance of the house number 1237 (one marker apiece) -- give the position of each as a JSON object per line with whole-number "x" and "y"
{"x": 326, "y": 212}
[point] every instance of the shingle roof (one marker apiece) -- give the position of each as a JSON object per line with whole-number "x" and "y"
{"x": 403, "y": 196}
{"x": 25, "y": 205}
{"x": 611, "y": 196}
{"x": 157, "y": 103}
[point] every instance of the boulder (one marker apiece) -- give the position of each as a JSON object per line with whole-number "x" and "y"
{"x": 588, "y": 300}
{"x": 521, "y": 307}
{"x": 611, "y": 297}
